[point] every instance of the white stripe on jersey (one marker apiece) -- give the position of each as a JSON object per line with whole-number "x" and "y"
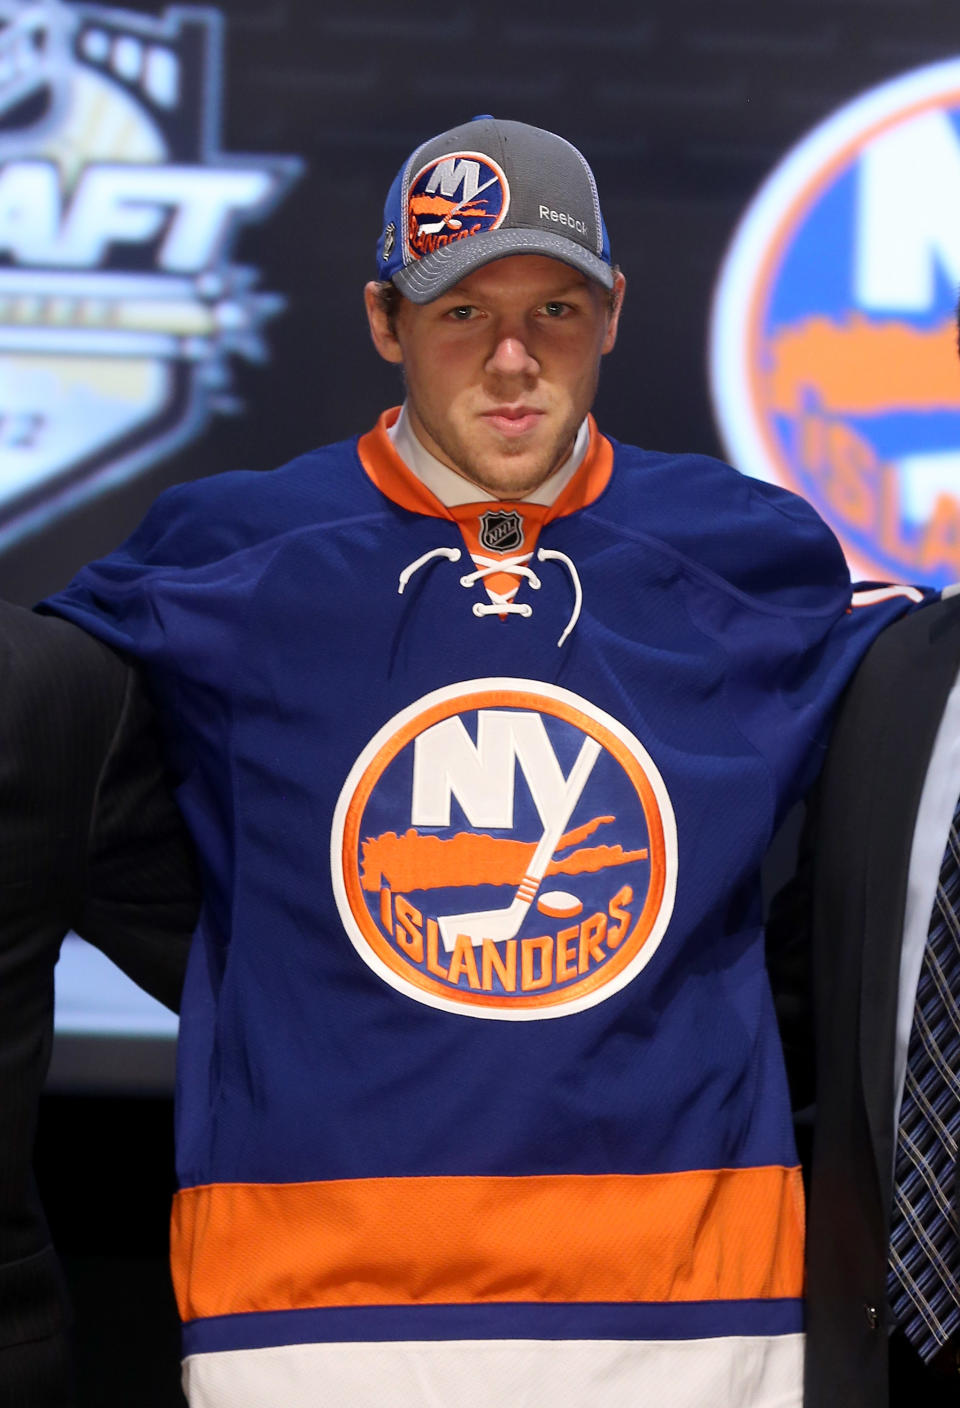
{"x": 734, "y": 1372}
{"x": 876, "y": 594}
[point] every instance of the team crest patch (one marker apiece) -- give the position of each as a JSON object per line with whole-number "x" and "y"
{"x": 122, "y": 313}
{"x": 452, "y": 198}
{"x": 501, "y": 530}
{"x": 504, "y": 849}
{"x": 834, "y": 364}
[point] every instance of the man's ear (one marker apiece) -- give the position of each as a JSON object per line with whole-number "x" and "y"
{"x": 381, "y": 324}
{"x": 616, "y": 303}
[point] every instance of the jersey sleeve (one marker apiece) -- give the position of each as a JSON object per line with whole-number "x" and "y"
{"x": 766, "y": 578}
{"x": 189, "y": 540}
{"x": 771, "y": 544}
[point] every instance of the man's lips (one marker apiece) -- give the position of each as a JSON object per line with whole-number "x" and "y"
{"x": 513, "y": 421}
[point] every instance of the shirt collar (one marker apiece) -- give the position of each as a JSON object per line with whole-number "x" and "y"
{"x": 452, "y": 489}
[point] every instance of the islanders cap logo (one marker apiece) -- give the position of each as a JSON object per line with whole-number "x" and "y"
{"x": 504, "y": 849}
{"x": 121, "y": 312}
{"x": 453, "y": 197}
{"x": 833, "y": 348}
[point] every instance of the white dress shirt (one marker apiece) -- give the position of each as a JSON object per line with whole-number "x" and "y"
{"x": 452, "y": 489}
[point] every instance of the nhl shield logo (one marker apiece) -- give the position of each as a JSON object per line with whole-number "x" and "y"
{"x": 501, "y": 530}
{"x": 120, "y": 311}
{"x": 504, "y": 849}
{"x": 834, "y": 362}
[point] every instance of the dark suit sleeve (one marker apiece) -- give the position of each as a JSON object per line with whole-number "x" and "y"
{"x": 790, "y": 962}
{"x": 137, "y": 893}
{"x": 89, "y": 838}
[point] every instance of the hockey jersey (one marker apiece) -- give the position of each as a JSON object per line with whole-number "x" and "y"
{"x": 480, "y": 1096}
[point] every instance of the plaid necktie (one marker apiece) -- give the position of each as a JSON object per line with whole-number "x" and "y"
{"x": 923, "y": 1279}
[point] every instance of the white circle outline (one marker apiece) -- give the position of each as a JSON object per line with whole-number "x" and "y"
{"x": 562, "y": 696}
{"x": 729, "y": 333}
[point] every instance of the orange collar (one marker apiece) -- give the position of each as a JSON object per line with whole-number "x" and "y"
{"x": 394, "y": 479}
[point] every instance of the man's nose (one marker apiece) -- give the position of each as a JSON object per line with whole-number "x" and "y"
{"x": 512, "y": 357}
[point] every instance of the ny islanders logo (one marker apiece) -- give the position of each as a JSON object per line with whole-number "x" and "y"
{"x": 833, "y": 352}
{"x": 452, "y": 198}
{"x": 504, "y": 849}
{"x": 120, "y": 311}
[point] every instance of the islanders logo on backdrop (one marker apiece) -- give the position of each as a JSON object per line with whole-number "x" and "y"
{"x": 833, "y": 349}
{"x": 452, "y": 198}
{"x": 504, "y": 849}
{"x": 120, "y": 309}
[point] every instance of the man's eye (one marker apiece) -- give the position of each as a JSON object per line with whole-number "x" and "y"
{"x": 554, "y": 309}
{"x": 461, "y": 313}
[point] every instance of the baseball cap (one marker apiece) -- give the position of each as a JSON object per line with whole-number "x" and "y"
{"x": 484, "y": 190}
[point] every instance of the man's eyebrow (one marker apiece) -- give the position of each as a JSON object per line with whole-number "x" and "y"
{"x": 571, "y": 287}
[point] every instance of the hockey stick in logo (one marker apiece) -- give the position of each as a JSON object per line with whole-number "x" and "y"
{"x": 448, "y": 220}
{"x": 501, "y": 924}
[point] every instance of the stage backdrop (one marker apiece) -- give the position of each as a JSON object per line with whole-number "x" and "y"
{"x": 189, "y": 203}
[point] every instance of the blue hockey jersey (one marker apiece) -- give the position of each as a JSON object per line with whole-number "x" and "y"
{"x": 480, "y": 1096}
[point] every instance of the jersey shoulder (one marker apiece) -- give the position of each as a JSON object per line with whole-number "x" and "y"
{"x": 759, "y": 539}
{"x": 208, "y": 520}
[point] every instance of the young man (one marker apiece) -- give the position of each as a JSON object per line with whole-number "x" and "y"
{"x": 486, "y": 722}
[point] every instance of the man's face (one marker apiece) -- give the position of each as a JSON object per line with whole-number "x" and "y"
{"x": 501, "y": 370}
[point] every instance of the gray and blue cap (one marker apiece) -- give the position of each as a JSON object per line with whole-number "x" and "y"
{"x": 485, "y": 190}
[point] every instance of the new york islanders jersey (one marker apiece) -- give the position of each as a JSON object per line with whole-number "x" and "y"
{"x": 480, "y": 1096}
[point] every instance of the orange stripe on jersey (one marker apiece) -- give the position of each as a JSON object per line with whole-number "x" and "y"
{"x": 726, "y": 1234}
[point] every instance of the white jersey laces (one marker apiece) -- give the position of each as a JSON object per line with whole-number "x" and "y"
{"x": 501, "y": 603}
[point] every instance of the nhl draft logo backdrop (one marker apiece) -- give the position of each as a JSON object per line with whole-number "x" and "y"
{"x": 119, "y": 307}
{"x": 504, "y": 849}
{"x": 833, "y": 349}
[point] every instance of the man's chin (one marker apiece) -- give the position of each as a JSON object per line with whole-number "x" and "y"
{"x": 510, "y": 476}
{"x": 512, "y": 469}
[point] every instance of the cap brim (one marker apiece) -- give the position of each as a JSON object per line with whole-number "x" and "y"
{"x": 427, "y": 278}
